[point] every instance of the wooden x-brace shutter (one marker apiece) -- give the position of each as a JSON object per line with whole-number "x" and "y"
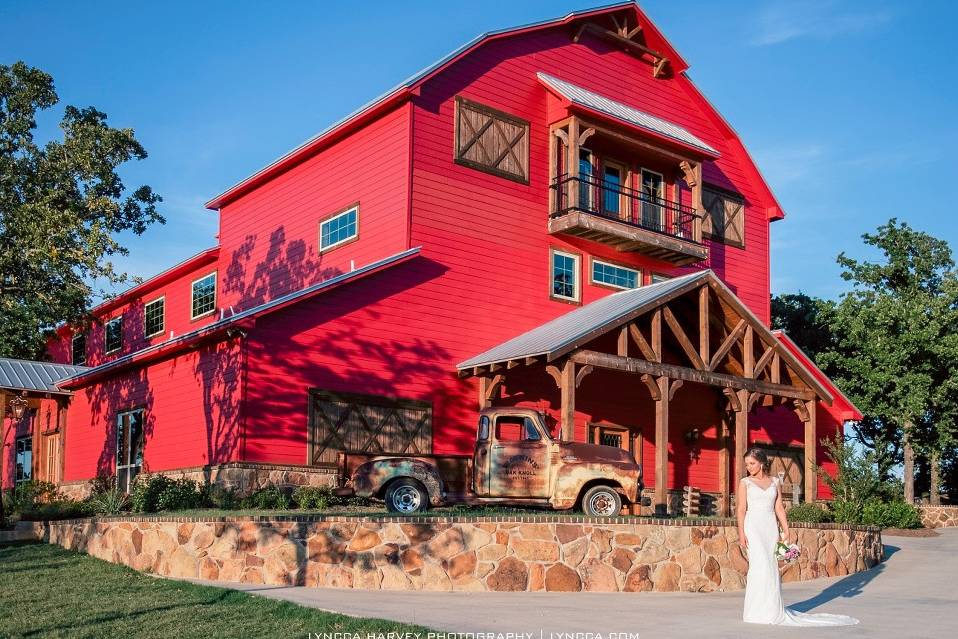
{"x": 725, "y": 217}
{"x": 491, "y": 141}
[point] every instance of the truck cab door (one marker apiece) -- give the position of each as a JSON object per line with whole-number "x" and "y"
{"x": 519, "y": 458}
{"x": 480, "y": 458}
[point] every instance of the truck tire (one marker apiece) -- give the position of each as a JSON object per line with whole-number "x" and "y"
{"x": 601, "y": 501}
{"x": 406, "y": 496}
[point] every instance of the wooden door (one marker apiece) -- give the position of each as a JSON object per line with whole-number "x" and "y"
{"x": 366, "y": 423}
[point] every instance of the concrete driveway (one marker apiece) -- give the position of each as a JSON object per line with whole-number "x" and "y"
{"x": 913, "y": 594}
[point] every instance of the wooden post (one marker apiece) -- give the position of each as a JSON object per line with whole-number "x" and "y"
{"x": 662, "y": 446}
{"x": 811, "y": 478}
{"x": 697, "y": 203}
{"x": 484, "y": 402}
{"x": 704, "y": 325}
{"x": 741, "y": 433}
{"x": 567, "y": 392}
{"x": 725, "y": 503}
{"x": 572, "y": 166}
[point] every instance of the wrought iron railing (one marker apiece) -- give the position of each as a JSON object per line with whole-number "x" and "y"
{"x": 622, "y": 204}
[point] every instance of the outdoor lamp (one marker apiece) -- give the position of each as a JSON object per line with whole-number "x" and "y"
{"x": 17, "y": 406}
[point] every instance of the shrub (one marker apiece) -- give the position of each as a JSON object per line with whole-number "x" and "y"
{"x": 62, "y": 509}
{"x": 847, "y": 512}
{"x": 28, "y": 495}
{"x": 809, "y": 513}
{"x": 109, "y": 502}
{"x": 894, "y": 514}
{"x": 220, "y": 497}
{"x": 313, "y": 497}
{"x": 268, "y": 498}
{"x": 154, "y": 493}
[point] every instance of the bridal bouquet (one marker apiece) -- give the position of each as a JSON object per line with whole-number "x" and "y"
{"x": 787, "y": 553}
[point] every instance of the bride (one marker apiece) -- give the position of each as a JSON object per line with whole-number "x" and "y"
{"x": 757, "y": 505}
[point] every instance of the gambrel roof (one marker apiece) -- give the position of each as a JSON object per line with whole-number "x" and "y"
{"x": 409, "y": 88}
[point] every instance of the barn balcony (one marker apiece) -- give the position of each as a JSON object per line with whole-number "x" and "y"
{"x": 588, "y": 207}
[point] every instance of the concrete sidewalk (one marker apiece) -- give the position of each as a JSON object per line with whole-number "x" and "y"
{"x": 913, "y": 594}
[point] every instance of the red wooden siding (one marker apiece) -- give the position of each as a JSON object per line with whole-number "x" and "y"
{"x": 269, "y": 238}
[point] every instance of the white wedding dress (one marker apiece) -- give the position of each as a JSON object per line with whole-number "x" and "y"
{"x": 763, "y": 588}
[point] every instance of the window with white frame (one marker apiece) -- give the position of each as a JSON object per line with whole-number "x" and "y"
{"x": 203, "y": 296}
{"x": 129, "y": 447}
{"x": 24, "y": 459}
{"x": 565, "y": 276}
{"x": 339, "y": 229}
{"x": 78, "y": 349}
{"x": 616, "y": 276}
{"x": 659, "y": 277}
{"x": 113, "y": 335}
{"x": 154, "y": 317}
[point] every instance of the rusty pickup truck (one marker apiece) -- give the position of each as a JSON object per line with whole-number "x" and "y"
{"x": 516, "y": 462}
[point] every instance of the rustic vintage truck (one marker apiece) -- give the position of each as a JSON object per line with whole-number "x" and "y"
{"x": 515, "y": 462}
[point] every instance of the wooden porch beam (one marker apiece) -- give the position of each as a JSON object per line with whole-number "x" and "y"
{"x": 676, "y": 385}
{"x": 662, "y": 446}
{"x": 764, "y": 360}
{"x": 555, "y": 374}
{"x": 811, "y": 452}
{"x": 657, "y": 334}
{"x": 583, "y": 372}
{"x": 622, "y": 347}
{"x": 488, "y": 388}
{"x": 727, "y": 344}
{"x": 704, "y": 323}
{"x": 682, "y": 338}
{"x": 741, "y": 434}
{"x": 567, "y": 393}
{"x": 639, "y": 340}
{"x": 725, "y": 501}
{"x": 652, "y": 385}
{"x": 656, "y": 369}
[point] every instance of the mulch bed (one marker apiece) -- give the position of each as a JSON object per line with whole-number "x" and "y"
{"x": 910, "y": 532}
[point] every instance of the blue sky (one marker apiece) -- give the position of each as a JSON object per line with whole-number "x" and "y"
{"x": 848, "y": 107}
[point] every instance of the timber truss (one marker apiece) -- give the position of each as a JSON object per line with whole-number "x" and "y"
{"x": 689, "y": 330}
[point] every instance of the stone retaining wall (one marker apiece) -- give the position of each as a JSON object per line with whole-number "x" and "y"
{"x": 496, "y": 554}
{"x": 243, "y": 477}
{"x": 938, "y": 516}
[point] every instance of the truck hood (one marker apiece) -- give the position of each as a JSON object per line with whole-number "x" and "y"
{"x": 597, "y": 453}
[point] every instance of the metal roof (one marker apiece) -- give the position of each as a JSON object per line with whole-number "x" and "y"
{"x": 255, "y": 311}
{"x": 552, "y": 337}
{"x": 25, "y": 375}
{"x": 641, "y": 119}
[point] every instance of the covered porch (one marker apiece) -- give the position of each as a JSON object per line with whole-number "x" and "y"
{"x": 681, "y": 364}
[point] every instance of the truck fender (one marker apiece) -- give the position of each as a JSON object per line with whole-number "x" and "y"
{"x": 370, "y": 478}
{"x": 571, "y": 479}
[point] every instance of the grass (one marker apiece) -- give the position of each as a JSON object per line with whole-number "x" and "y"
{"x": 46, "y": 591}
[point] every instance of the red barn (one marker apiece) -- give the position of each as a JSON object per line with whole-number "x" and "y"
{"x": 551, "y": 216}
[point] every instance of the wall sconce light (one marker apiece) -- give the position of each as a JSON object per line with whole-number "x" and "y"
{"x": 691, "y": 438}
{"x": 17, "y": 406}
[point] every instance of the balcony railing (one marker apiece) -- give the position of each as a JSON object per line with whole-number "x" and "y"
{"x": 622, "y": 204}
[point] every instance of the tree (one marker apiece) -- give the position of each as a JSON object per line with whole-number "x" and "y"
{"x": 61, "y": 205}
{"x": 894, "y": 331}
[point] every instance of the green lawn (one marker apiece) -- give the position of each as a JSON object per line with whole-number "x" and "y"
{"x": 46, "y": 591}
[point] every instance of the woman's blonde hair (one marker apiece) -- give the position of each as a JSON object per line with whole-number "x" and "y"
{"x": 761, "y": 457}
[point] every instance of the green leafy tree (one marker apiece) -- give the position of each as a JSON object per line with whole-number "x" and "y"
{"x": 894, "y": 332}
{"x": 62, "y": 204}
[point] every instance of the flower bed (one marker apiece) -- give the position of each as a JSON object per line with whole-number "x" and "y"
{"x": 456, "y": 553}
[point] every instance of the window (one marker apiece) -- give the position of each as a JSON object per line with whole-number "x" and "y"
{"x": 653, "y": 196}
{"x": 78, "y": 349}
{"x": 615, "y": 276}
{"x": 483, "y": 433}
{"x": 24, "y": 451}
{"x": 491, "y": 141}
{"x": 586, "y": 186}
{"x": 725, "y": 217}
{"x": 511, "y": 428}
{"x": 203, "y": 296}
{"x": 565, "y": 276}
{"x": 339, "y": 229}
{"x": 659, "y": 277}
{"x": 614, "y": 200}
{"x": 113, "y": 334}
{"x": 129, "y": 447}
{"x": 153, "y": 317}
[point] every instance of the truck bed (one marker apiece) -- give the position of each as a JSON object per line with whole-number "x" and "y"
{"x": 455, "y": 470}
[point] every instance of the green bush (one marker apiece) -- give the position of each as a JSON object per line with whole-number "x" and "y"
{"x": 313, "y": 497}
{"x": 62, "y": 509}
{"x": 268, "y": 498}
{"x": 109, "y": 502}
{"x": 28, "y": 495}
{"x": 157, "y": 492}
{"x": 846, "y": 512}
{"x": 894, "y": 514}
{"x": 809, "y": 513}
{"x": 223, "y": 498}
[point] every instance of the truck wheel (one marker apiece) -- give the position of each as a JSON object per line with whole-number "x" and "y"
{"x": 601, "y": 501}
{"x": 406, "y": 496}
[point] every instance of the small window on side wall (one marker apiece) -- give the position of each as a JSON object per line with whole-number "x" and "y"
{"x": 78, "y": 349}
{"x": 725, "y": 217}
{"x": 340, "y": 228}
{"x": 492, "y": 141}
{"x": 564, "y": 283}
{"x": 203, "y": 296}
{"x": 615, "y": 276}
{"x": 154, "y": 315}
{"x": 113, "y": 335}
